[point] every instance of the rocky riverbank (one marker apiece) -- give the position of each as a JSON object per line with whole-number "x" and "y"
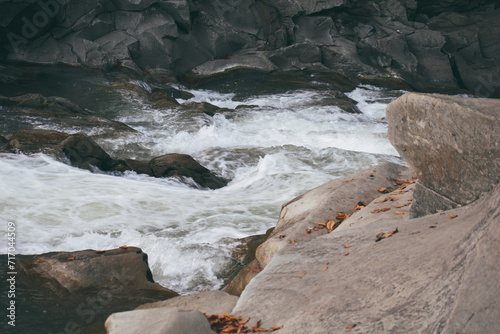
{"x": 372, "y": 251}
{"x": 381, "y": 269}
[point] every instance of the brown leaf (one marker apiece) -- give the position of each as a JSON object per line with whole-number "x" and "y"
{"x": 371, "y": 175}
{"x": 385, "y": 209}
{"x": 346, "y": 253}
{"x": 308, "y": 231}
{"x": 124, "y": 247}
{"x": 347, "y": 246}
{"x": 453, "y": 216}
{"x": 383, "y": 190}
{"x": 402, "y": 206}
{"x": 375, "y": 211}
{"x": 351, "y": 326}
{"x": 341, "y": 216}
{"x": 400, "y": 213}
{"x": 302, "y": 275}
{"x": 282, "y": 236}
{"x": 292, "y": 241}
{"x": 383, "y": 235}
{"x": 326, "y": 268}
{"x": 346, "y": 181}
{"x": 321, "y": 225}
{"x": 71, "y": 258}
{"x": 256, "y": 270}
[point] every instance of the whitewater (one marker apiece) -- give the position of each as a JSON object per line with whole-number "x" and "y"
{"x": 274, "y": 148}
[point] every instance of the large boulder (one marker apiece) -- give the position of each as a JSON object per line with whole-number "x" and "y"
{"x": 414, "y": 279}
{"x": 323, "y": 203}
{"x": 77, "y": 291}
{"x": 452, "y": 143}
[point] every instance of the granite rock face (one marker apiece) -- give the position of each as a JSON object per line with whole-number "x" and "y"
{"x": 446, "y": 46}
{"x": 452, "y": 143}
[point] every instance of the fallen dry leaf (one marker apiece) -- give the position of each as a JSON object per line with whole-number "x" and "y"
{"x": 71, "y": 258}
{"x": 292, "y": 241}
{"x": 346, "y": 253}
{"x": 371, "y": 175}
{"x": 402, "y": 206}
{"x": 400, "y": 213}
{"x": 321, "y": 225}
{"x": 383, "y": 190}
{"x": 346, "y": 181}
{"x": 383, "y": 235}
{"x": 282, "y": 236}
{"x": 385, "y": 209}
{"x": 375, "y": 211}
{"x": 326, "y": 268}
{"x": 256, "y": 270}
{"x": 347, "y": 246}
{"x": 302, "y": 275}
{"x": 453, "y": 216}
{"x": 124, "y": 247}
{"x": 229, "y": 324}
{"x": 308, "y": 231}
{"x": 351, "y": 326}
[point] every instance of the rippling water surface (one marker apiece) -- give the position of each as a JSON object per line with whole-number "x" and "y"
{"x": 274, "y": 149}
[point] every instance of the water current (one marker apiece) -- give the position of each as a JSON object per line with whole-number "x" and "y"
{"x": 275, "y": 148}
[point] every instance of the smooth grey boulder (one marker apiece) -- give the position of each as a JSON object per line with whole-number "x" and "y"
{"x": 323, "y": 203}
{"x": 452, "y": 143}
{"x": 418, "y": 280}
{"x": 208, "y": 302}
{"x": 163, "y": 320}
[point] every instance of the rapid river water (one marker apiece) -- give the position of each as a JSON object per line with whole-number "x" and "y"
{"x": 276, "y": 148}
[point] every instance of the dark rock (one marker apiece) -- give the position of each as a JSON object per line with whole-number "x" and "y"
{"x": 140, "y": 167}
{"x": 82, "y": 287}
{"x": 85, "y": 153}
{"x": 34, "y": 110}
{"x": 297, "y": 57}
{"x": 3, "y": 143}
{"x": 35, "y": 141}
{"x": 224, "y": 68}
{"x": 203, "y": 107}
{"x": 158, "y": 98}
{"x": 437, "y": 136}
{"x": 184, "y": 166}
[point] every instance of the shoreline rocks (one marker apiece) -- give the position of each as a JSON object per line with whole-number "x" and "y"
{"x": 430, "y": 47}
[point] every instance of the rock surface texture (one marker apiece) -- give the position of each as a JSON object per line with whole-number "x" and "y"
{"x": 452, "y": 143}
{"x": 430, "y": 45}
{"x": 76, "y": 291}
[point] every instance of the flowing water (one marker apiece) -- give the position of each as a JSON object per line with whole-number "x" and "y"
{"x": 274, "y": 149}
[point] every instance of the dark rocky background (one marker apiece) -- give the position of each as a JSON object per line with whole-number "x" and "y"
{"x": 430, "y": 45}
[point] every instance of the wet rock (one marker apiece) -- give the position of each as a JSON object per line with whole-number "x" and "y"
{"x": 184, "y": 166}
{"x": 3, "y": 143}
{"x": 82, "y": 288}
{"x": 204, "y": 107}
{"x": 436, "y": 134}
{"x": 33, "y": 111}
{"x": 83, "y": 152}
{"x": 157, "y": 98}
{"x": 223, "y": 68}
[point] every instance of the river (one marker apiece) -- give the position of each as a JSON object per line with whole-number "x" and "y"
{"x": 274, "y": 148}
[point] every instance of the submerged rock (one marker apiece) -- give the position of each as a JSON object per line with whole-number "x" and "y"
{"x": 452, "y": 143}
{"x": 32, "y": 111}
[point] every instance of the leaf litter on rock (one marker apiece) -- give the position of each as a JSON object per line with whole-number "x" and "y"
{"x": 383, "y": 235}
{"x": 230, "y": 324}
